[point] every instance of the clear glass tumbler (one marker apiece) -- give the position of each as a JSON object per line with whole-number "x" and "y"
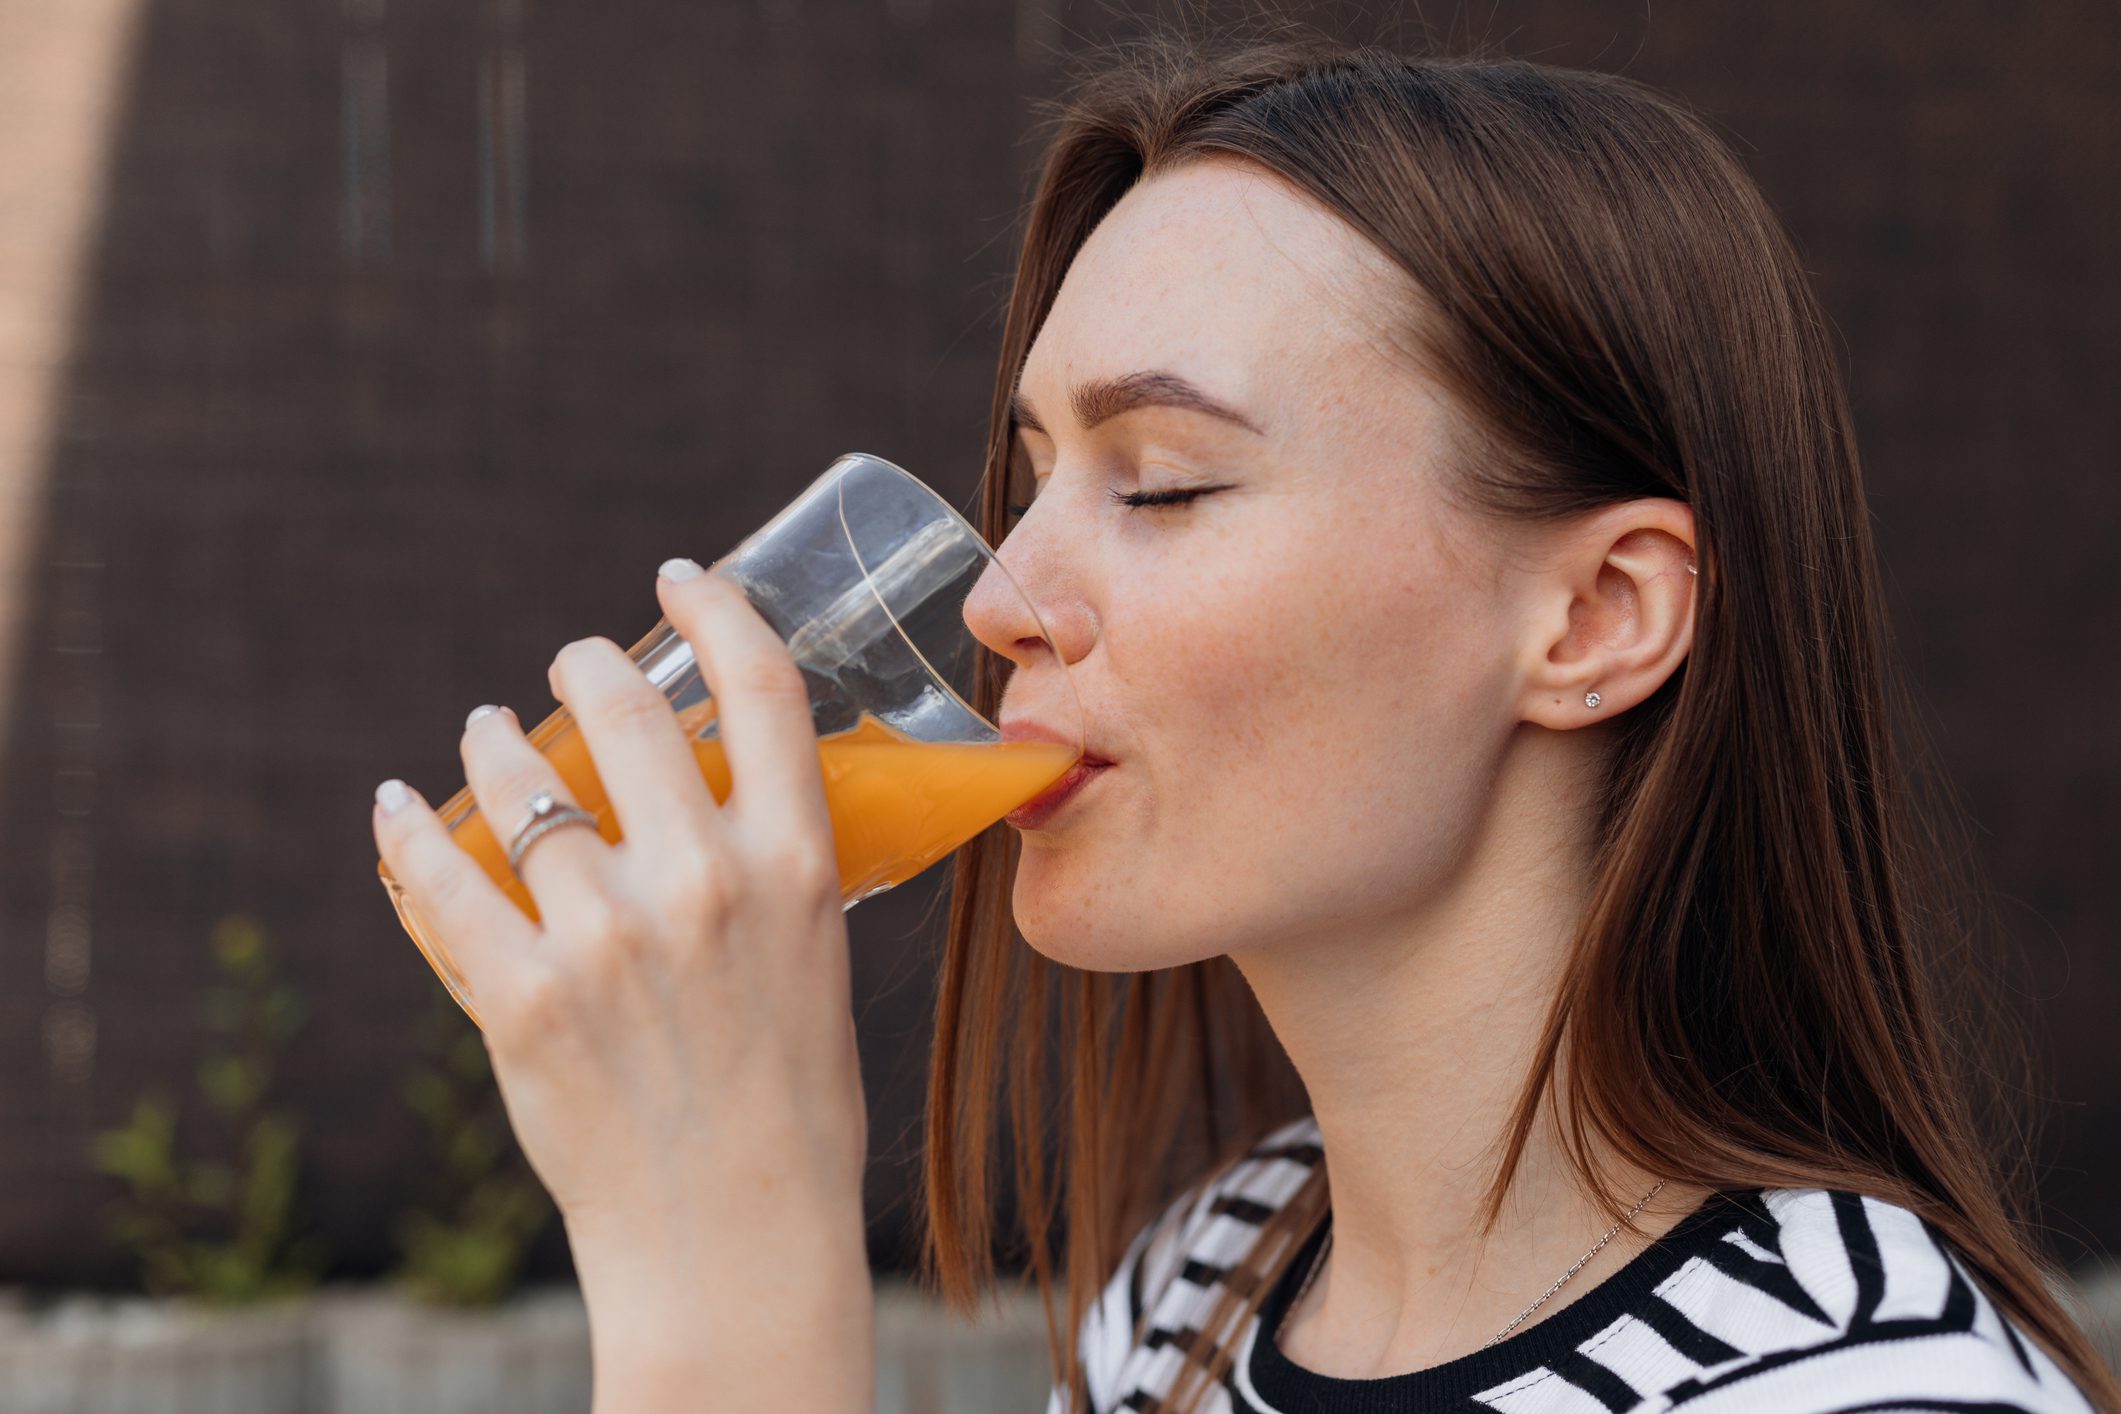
{"x": 865, "y": 576}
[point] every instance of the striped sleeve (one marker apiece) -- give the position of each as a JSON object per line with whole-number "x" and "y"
{"x": 1107, "y": 1336}
{"x": 1862, "y": 1308}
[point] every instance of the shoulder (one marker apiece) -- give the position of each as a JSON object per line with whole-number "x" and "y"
{"x": 1215, "y": 1222}
{"x": 1818, "y": 1300}
{"x": 1176, "y": 1261}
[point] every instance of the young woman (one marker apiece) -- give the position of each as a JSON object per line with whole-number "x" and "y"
{"x": 1496, "y": 963}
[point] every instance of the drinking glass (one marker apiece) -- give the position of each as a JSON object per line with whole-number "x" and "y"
{"x": 865, "y": 576}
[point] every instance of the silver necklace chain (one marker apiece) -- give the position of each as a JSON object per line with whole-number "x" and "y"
{"x": 1640, "y": 1204}
{"x": 1559, "y": 1282}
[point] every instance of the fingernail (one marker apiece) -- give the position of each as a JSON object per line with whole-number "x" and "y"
{"x": 393, "y": 796}
{"x": 680, "y": 569}
{"x": 478, "y": 712}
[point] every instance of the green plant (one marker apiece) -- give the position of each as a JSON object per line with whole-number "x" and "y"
{"x": 221, "y": 1228}
{"x": 466, "y": 1246}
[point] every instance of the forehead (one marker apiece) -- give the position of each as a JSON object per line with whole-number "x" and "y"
{"x": 1218, "y": 269}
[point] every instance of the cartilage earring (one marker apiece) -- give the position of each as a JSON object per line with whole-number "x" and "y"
{"x": 1591, "y": 699}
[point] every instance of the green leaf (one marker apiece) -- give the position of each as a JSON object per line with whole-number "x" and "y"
{"x": 282, "y": 1013}
{"x": 232, "y": 1083}
{"x": 170, "y": 1270}
{"x": 141, "y": 1153}
{"x": 431, "y": 1098}
{"x": 268, "y": 1181}
{"x": 469, "y": 1247}
{"x": 468, "y": 1061}
{"x": 211, "y": 1186}
{"x": 221, "y": 1227}
{"x": 471, "y": 1152}
{"x": 239, "y": 945}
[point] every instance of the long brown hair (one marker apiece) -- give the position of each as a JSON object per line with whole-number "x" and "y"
{"x": 1757, "y": 992}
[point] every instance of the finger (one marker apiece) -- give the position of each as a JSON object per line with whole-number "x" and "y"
{"x": 478, "y": 930}
{"x": 565, "y": 868}
{"x": 643, "y": 756}
{"x": 777, "y": 785}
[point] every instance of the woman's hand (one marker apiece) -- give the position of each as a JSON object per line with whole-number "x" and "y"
{"x": 675, "y": 1040}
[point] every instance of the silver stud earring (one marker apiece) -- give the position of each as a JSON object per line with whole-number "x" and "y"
{"x": 1591, "y": 699}
{"x": 1690, "y": 568}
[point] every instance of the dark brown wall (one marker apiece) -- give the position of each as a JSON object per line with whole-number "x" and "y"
{"x": 416, "y": 337}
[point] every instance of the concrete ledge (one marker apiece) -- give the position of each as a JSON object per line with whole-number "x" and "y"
{"x": 357, "y": 1350}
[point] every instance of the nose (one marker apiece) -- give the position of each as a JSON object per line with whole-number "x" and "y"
{"x": 1010, "y": 622}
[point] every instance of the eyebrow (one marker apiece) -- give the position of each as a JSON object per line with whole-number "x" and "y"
{"x": 1102, "y": 399}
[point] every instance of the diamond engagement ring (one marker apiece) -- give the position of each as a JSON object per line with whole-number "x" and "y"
{"x": 541, "y": 817}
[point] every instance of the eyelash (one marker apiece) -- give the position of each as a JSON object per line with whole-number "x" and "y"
{"x": 1137, "y": 499}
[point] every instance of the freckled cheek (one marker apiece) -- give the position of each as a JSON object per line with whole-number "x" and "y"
{"x": 1249, "y": 670}
{"x": 1311, "y": 675}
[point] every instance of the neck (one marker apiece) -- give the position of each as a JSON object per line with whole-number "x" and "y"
{"x": 1413, "y": 1036}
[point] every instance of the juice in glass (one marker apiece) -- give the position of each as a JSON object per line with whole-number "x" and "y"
{"x": 897, "y": 804}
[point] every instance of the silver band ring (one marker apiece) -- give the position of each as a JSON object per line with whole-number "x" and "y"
{"x": 542, "y": 815}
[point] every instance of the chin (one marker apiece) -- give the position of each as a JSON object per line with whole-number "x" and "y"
{"x": 1099, "y": 929}
{"x": 1069, "y": 950}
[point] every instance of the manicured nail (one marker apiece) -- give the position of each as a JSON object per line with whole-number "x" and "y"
{"x": 680, "y": 569}
{"x": 393, "y": 796}
{"x": 478, "y": 712}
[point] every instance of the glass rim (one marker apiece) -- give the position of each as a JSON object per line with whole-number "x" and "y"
{"x": 1082, "y": 728}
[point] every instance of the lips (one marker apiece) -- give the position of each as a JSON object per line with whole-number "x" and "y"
{"x": 1036, "y": 811}
{"x": 1024, "y": 729}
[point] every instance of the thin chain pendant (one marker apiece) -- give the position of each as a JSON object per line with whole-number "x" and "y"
{"x": 1562, "y": 1280}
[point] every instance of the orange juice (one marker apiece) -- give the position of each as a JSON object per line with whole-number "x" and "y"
{"x": 897, "y": 805}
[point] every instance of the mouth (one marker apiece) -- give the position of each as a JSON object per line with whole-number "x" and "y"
{"x": 1037, "y": 811}
{"x": 1043, "y": 807}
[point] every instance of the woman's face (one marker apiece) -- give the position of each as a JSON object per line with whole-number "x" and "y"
{"x": 1303, "y": 677}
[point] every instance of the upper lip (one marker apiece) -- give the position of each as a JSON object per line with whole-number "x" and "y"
{"x": 1024, "y": 729}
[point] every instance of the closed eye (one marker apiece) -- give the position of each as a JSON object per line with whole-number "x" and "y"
{"x": 1138, "y": 499}
{"x": 1175, "y": 497}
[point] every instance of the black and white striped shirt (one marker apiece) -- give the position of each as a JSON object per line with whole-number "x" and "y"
{"x": 1795, "y": 1301}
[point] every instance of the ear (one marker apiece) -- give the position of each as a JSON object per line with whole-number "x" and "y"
{"x": 1610, "y": 611}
